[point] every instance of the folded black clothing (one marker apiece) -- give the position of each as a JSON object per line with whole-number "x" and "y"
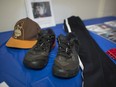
{"x": 98, "y": 69}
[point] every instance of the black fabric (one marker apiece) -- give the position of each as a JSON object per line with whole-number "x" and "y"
{"x": 99, "y": 70}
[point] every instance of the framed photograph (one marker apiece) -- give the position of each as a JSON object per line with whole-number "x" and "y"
{"x": 41, "y": 12}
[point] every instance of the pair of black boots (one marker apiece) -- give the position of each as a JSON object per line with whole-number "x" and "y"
{"x": 66, "y": 63}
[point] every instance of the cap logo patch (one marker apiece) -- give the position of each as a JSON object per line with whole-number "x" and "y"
{"x": 17, "y": 30}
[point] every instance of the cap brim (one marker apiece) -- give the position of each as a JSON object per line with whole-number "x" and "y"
{"x": 16, "y": 43}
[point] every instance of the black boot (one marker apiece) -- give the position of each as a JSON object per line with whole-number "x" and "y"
{"x": 37, "y": 57}
{"x": 66, "y": 64}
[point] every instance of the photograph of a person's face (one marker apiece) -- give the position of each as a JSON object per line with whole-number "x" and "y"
{"x": 41, "y": 9}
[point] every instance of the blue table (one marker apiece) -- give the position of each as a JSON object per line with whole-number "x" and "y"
{"x": 13, "y": 72}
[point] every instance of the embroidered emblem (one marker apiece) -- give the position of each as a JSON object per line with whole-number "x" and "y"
{"x": 18, "y": 28}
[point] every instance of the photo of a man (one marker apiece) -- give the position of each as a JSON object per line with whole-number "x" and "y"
{"x": 41, "y": 9}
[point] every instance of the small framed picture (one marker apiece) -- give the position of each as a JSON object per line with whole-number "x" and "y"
{"x": 41, "y": 12}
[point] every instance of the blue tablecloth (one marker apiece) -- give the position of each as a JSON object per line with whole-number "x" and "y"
{"x": 13, "y": 72}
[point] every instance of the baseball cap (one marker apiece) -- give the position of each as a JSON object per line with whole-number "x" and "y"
{"x": 25, "y": 34}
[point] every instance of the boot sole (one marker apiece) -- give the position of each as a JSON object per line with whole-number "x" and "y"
{"x": 64, "y": 73}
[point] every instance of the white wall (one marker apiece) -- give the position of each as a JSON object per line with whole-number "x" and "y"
{"x": 109, "y": 8}
{"x": 83, "y": 8}
{"x": 13, "y": 10}
{"x": 10, "y": 12}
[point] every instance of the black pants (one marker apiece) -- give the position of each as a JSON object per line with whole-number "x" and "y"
{"x": 99, "y": 70}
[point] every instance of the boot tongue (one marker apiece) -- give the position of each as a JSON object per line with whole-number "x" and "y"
{"x": 72, "y": 38}
{"x": 62, "y": 38}
{"x": 63, "y": 47}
